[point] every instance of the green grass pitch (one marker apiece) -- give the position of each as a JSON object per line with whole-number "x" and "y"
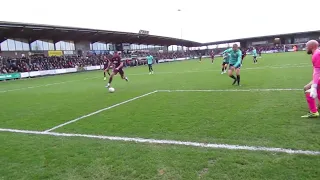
{"x": 263, "y": 112}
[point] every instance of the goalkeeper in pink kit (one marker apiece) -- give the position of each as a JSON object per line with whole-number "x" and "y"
{"x": 312, "y": 90}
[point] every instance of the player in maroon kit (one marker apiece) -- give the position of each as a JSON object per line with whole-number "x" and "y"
{"x": 106, "y": 67}
{"x": 118, "y": 65}
{"x": 212, "y": 56}
{"x": 244, "y": 53}
{"x": 259, "y": 52}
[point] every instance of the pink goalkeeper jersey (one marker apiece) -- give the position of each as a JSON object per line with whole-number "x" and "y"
{"x": 316, "y": 66}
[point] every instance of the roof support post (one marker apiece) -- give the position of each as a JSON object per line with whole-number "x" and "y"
{"x": 30, "y": 41}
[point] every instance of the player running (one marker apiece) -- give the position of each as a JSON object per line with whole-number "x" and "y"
{"x": 260, "y": 51}
{"x": 212, "y": 56}
{"x": 254, "y": 54}
{"x": 234, "y": 63}
{"x": 244, "y": 54}
{"x": 118, "y": 65}
{"x": 200, "y": 57}
{"x": 313, "y": 88}
{"x": 225, "y": 63}
{"x": 150, "y": 62}
{"x": 106, "y": 68}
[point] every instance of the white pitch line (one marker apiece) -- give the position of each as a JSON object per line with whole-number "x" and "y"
{"x": 227, "y": 90}
{"x": 169, "y": 142}
{"x": 31, "y": 87}
{"x": 45, "y": 85}
{"x": 99, "y": 111}
{"x": 301, "y": 65}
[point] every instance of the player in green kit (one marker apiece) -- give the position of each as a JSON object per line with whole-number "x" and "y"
{"x": 150, "y": 62}
{"x": 234, "y": 63}
{"x": 225, "y": 63}
{"x": 254, "y": 54}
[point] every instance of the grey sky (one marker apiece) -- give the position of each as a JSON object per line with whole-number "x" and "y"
{"x": 200, "y": 20}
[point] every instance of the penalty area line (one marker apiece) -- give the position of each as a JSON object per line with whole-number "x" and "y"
{"x": 169, "y": 142}
{"x": 227, "y": 90}
{"x": 99, "y": 111}
{"x": 285, "y": 66}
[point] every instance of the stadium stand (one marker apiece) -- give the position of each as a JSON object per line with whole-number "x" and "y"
{"x": 33, "y": 47}
{"x": 38, "y": 63}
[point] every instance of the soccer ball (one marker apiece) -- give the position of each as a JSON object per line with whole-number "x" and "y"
{"x": 111, "y": 90}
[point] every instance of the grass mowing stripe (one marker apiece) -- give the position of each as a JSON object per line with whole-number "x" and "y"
{"x": 98, "y": 111}
{"x": 169, "y": 142}
{"x": 138, "y": 97}
{"x": 140, "y": 74}
{"x": 45, "y": 85}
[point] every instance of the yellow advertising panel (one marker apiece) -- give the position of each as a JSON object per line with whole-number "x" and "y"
{"x": 55, "y": 53}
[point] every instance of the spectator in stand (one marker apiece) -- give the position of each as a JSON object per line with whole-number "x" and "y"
{"x": 39, "y": 63}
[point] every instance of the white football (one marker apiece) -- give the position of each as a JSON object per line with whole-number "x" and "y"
{"x": 111, "y": 89}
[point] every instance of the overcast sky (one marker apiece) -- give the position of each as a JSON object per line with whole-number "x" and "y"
{"x": 200, "y": 20}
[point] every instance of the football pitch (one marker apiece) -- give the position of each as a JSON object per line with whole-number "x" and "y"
{"x": 186, "y": 121}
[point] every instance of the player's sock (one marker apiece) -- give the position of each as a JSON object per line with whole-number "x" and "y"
{"x": 238, "y": 79}
{"x": 222, "y": 70}
{"x": 318, "y": 92}
{"x": 311, "y": 103}
{"x": 110, "y": 80}
{"x": 104, "y": 74}
{"x": 235, "y": 79}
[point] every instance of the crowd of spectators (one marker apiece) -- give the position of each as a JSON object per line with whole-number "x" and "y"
{"x": 38, "y": 63}
{"x": 267, "y": 48}
{"x": 158, "y": 55}
{"x": 279, "y": 48}
{"x": 264, "y": 48}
